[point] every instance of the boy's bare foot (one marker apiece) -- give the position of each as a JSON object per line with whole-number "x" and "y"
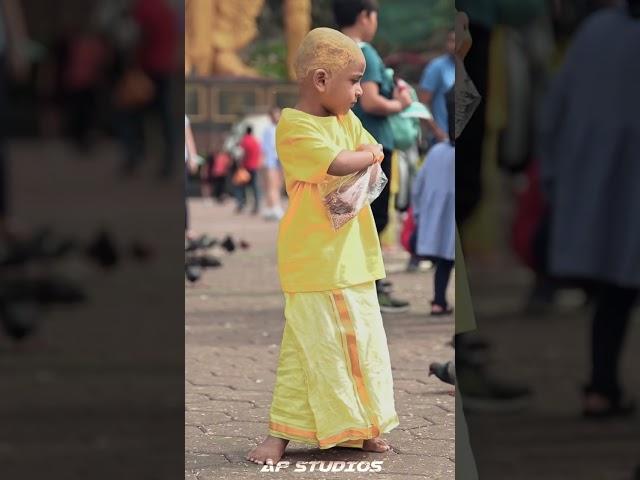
{"x": 377, "y": 445}
{"x": 268, "y": 452}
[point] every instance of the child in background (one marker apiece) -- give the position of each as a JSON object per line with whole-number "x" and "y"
{"x": 434, "y": 210}
{"x": 334, "y": 384}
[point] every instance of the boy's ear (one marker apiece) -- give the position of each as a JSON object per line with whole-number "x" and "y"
{"x": 320, "y": 79}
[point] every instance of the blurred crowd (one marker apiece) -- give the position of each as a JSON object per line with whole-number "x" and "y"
{"x": 110, "y": 72}
{"x": 105, "y": 76}
{"x": 545, "y": 180}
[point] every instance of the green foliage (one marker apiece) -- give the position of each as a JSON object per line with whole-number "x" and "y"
{"x": 270, "y": 58}
{"x": 404, "y": 25}
{"x": 410, "y": 24}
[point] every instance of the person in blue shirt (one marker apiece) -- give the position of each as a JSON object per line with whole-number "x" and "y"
{"x": 438, "y": 77}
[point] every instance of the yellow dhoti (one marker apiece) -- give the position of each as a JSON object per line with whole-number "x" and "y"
{"x": 334, "y": 383}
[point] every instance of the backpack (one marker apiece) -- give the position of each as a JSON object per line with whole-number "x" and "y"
{"x": 406, "y": 131}
{"x": 405, "y": 125}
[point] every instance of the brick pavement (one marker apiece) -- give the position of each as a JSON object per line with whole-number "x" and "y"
{"x": 96, "y": 392}
{"x": 233, "y": 329}
{"x": 550, "y": 353}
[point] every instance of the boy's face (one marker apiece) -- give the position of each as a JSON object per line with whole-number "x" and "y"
{"x": 369, "y": 24}
{"x": 343, "y": 88}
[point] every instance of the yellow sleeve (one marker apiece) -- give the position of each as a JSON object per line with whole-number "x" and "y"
{"x": 304, "y": 151}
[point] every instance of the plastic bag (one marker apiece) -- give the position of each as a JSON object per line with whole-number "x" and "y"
{"x": 344, "y": 197}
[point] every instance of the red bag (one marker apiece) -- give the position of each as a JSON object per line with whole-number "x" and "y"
{"x": 408, "y": 229}
{"x": 529, "y": 215}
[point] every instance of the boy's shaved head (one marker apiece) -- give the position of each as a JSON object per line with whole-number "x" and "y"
{"x": 325, "y": 48}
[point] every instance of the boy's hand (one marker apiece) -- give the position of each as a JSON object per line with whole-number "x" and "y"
{"x": 376, "y": 149}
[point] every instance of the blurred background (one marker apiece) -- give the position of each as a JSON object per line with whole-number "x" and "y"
{"x": 542, "y": 200}
{"x": 237, "y": 54}
{"x": 91, "y": 351}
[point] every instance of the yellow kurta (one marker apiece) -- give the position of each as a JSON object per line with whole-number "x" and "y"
{"x": 312, "y": 256}
{"x": 334, "y": 383}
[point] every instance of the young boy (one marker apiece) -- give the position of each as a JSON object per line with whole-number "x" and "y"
{"x": 334, "y": 384}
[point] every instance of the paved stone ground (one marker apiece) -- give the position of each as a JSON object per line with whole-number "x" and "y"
{"x": 97, "y": 391}
{"x": 234, "y": 324}
{"x": 549, "y": 352}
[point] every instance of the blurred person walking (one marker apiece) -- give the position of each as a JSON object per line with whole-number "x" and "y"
{"x": 150, "y": 74}
{"x": 272, "y": 169}
{"x": 590, "y": 183}
{"x": 191, "y": 160}
{"x": 218, "y": 168}
{"x": 251, "y": 162}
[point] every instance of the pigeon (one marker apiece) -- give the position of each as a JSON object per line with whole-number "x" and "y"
{"x": 444, "y": 371}
{"x": 19, "y": 318}
{"x": 103, "y": 251}
{"x": 228, "y": 244}
{"x": 208, "y": 261}
{"x": 193, "y": 273}
{"x": 204, "y": 242}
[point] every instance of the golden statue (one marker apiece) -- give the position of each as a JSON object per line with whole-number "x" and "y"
{"x": 297, "y": 21}
{"x": 216, "y": 30}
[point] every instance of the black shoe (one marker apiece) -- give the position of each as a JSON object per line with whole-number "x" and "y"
{"x": 618, "y": 405}
{"x": 413, "y": 265}
{"x": 389, "y": 304}
{"x": 384, "y": 286}
{"x": 445, "y": 311}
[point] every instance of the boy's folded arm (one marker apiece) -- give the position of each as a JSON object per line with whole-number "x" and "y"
{"x": 348, "y": 162}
